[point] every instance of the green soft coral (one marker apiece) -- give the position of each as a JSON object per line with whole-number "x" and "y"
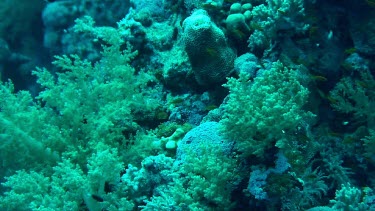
{"x": 66, "y": 187}
{"x": 369, "y": 145}
{"x": 98, "y": 101}
{"x": 72, "y": 137}
{"x": 356, "y": 96}
{"x": 259, "y": 112}
{"x": 204, "y": 182}
{"x": 27, "y": 129}
{"x": 273, "y": 16}
{"x": 26, "y": 188}
{"x": 37, "y": 191}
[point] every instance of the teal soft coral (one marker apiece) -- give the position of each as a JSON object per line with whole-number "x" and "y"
{"x": 259, "y": 112}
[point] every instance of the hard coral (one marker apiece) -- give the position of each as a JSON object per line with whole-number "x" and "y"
{"x": 210, "y": 56}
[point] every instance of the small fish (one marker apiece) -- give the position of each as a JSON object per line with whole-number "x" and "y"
{"x": 346, "y": 66}
{"x": 212, "y": 52}
{"x": 210, "y": 107}
{"x": 333, "y": 134}
{"x": 362, "y": 84}
{"x": 313, "y": 30}
{"x": 318, "y": 78}
{"x": 177, "y": 100}
{"x": 97, "y": 198}
{"x": 162, "y": 115}
{"x": 331, "y": 99}
{"x": 303, "y": 138}
{"x": 62, "y": 1}
{"x": 371, "y": 3}
{"x": 50, "y": 1}
{"x": 321, "y": 94}
{"x": 210, "y": 5}
{"x": 239, "y": 34}
{"x": 350, "y": 51}
{"x": 281, "y": 11}
{"x": 229, "y": 1}
{"x": 302, "y": 61}
{"x": 348, "y": 140}
{"x": 327, "y": 97}
{"x": 256, "y": 26}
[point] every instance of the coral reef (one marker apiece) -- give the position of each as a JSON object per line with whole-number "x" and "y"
{"x": 187, "y": 105}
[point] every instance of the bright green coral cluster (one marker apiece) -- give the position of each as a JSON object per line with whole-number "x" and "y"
{"x": 78, "y": 128}
{"x": 260, "y": 112}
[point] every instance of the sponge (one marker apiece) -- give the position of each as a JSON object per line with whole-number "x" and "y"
{"x": 210, "y": 56}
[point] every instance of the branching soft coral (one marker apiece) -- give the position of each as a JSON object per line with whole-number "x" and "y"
{"x": 27, "y": 132}
{"x": 369, "y": 143}
{"x": 272, "y": 16}
{"x": 356, "y": 96}
{"x": 66, "y": 187}
{"x": 260, "y": 112}
{"x": 101, "y": 101}
{"x": 203, "y": 182}
{"x": 85, "y": 112}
